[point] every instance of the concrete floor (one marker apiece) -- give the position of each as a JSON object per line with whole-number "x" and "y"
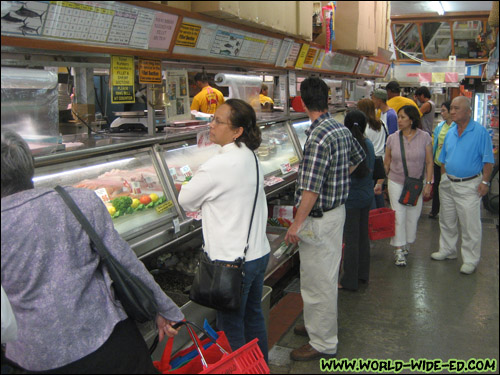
{"x": 425, "y": 310}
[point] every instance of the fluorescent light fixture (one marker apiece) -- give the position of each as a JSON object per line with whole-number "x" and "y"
{"x": 438, "y": 7}
{"x": 79, "y": 170}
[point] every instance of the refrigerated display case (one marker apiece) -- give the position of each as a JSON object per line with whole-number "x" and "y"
{"x": 481, "y": 108}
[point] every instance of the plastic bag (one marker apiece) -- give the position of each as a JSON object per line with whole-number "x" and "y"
{"x": 309, "y": 232}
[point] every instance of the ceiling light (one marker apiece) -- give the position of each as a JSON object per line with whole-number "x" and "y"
{"x": 438, "y": 7}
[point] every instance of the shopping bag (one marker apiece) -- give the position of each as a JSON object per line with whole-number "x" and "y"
{"x": 189, "y": 361}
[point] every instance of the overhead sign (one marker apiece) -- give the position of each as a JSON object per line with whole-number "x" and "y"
{"x": 122, "y": 79}
{"x": 150, "y": 71}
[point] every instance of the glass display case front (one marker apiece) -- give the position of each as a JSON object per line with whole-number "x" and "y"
{"x": 184, "y": 161}
{"x": 128, "y": 183}
{"x": 276, "y": 152}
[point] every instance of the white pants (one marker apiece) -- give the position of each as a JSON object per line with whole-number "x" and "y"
{"x": 460, "y": 202}
{"x": 406, "y": 216}
{"x": 319, "y": 271}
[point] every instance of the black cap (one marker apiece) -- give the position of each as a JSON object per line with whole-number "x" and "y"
{"x": 393, "y": 86}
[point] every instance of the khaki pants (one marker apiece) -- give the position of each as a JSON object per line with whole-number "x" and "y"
{"x": 319, "y": 271}
{"x": 460, "y": 203}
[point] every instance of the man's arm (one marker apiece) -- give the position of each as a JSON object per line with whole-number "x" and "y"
{"x": 306, "y": 204}
{"x": 483, "y": 188}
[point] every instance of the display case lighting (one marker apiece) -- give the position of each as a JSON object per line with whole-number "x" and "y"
{"x": 79, "y": 170}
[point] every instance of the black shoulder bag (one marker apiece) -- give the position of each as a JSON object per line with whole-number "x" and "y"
{"x": 218, "y": 284}
{"x": 412, "y": 187}
{"x": 136, "y": 298}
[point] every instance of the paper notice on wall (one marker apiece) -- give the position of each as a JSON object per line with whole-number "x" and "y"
{"x": 162, "y": 31}
{"x": 438, "y": 77}
{"x": 122, "y": 79}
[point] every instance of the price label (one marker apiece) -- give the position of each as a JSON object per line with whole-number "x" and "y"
{"x": 173, "y": 173}
{"x": 136, "y": 187}
{"x": 177, "y": 226}
{"x": 293, "y": 160}
{"x": 103, "y": 194}
{"x": 164, "y": 206}
{"x": 285, "y": 168}
{"x": 186, "y": 171}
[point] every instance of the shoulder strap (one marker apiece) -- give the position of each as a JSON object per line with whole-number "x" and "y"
{"x": 94, "y": 237}
{"x": 403, "y": 156}
{"x": 254, "y": 204}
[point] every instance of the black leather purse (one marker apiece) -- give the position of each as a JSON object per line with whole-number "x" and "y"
{"x": 412, "y": 187}
{"x": 218, "y": 284}
{"x": 136, "y": 298}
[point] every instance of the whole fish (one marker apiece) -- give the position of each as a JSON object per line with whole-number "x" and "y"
{"x": 9, "y": 18}
{"x": 25, "y": 12}
{"x": 25, "y": 29}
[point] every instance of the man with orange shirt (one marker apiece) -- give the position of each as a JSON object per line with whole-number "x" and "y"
{"x": 208, "y": 99}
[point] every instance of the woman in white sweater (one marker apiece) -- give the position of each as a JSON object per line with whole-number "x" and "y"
{"x": 224, "y": 189}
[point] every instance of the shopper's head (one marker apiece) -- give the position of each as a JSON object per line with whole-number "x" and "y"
{"x": 393, "y": 89}
{"x": 423, "y": 91}
{"x": 367, "y": 106}
{"x": 460, "y": 110}
{"x": 409, "y": 117}
{"x": 379, "y": 98}
{"x": 355, "y": 121}
{"x": 17, "y": 164}
{"x": 235, "y": 121}
{"x": 264, "y": 89}
{"x": 314, "y": 94}
{"x": 445, "y": 110}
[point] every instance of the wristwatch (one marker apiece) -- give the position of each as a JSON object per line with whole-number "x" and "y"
{"x": 486, "y": 183}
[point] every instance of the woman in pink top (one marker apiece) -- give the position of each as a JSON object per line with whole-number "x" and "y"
{"x": 418, "y": 151}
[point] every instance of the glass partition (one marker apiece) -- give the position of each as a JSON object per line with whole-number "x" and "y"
{"x": 465, "y": 37}
{"x": 436, "y": 37}
{"x": 407, "y": 39}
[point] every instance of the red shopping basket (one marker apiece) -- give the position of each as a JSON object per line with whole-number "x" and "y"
{"x": 246, "y": 360}
{"x": 381, "y": 223}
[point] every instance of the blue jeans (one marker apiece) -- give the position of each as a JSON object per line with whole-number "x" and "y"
{"x": 248, "y": 323}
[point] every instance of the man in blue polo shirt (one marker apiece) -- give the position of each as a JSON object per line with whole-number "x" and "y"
{"x": 467, "y": 161}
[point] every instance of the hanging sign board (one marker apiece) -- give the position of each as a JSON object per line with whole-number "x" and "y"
{"x": 188, "y": 35}
{"x": 122, "y": 79}
{"x": 150, "y": 71}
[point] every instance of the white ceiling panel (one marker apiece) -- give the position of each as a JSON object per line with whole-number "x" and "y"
{"x": 416, "y": 7}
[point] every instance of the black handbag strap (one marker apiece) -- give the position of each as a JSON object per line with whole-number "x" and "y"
{"x": 403, "y": 156}
{"x": 254, "y": 204}
{"x": 94, "y": 237}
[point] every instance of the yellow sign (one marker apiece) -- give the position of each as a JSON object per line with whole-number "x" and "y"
{"x": 164, "y": 206}
{"x": 188, "y": 35}
{"x": 302, "y": 56}
{"x": 150, "y": 71}
{"x": 293, "y": 160}
{"x": 122, "y": 79}
{"x": 311, "y": 56}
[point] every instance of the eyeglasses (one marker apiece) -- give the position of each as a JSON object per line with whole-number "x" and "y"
{"x": 218, "y": 122}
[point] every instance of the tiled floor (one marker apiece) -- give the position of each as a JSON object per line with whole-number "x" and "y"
{"x": 425, "y": 310}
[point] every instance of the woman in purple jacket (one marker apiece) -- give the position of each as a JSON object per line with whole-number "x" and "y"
{"x": 68, "y": 319}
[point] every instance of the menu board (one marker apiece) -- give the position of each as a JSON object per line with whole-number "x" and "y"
{"x": 107, "y": 22}
{"x": 286, "y": 47}
{"x": 201, "y": 38}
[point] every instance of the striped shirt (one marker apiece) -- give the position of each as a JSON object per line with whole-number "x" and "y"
{"x": 328, "y": 152}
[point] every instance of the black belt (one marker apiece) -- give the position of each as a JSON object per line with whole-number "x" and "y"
{"x": 318, "y": 212}
{"x": 463, "y": 179}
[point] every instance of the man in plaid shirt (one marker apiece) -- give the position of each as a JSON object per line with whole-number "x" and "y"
{"x": 331, "y": 154}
